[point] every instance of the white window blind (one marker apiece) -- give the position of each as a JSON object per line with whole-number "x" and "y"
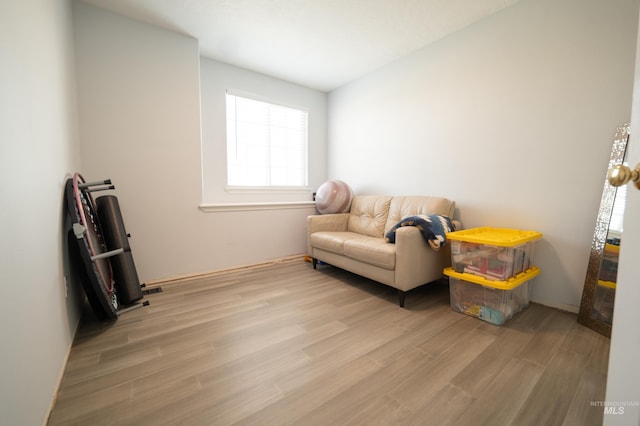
{"x": 266, "y": 144}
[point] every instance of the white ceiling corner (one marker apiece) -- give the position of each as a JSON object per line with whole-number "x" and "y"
{"x": 321, "y": 44}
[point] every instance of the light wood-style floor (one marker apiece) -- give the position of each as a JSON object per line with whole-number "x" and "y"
{"x": 284, "y": 344}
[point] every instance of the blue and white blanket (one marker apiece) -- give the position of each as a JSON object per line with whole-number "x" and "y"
{"x": 433, "y": 227}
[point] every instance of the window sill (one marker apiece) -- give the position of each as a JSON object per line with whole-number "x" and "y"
{"x": 268, "y": 189}
{"x": 242, "y": 207}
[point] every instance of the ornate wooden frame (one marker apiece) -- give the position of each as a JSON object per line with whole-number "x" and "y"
{"x": 600, "y": 237}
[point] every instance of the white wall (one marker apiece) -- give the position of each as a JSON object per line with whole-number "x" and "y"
{"x": 38, "y": 150}
{"x": 513, "y": 118}
{"x": 139, "y": 100}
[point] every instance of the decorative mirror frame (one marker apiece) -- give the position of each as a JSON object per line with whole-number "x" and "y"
{"x": 600, "y": 237}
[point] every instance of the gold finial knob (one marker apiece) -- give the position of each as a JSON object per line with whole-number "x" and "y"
{"x": 621, "y": 174}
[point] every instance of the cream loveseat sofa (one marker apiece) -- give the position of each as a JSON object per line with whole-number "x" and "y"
{"x": 355, "y": 241}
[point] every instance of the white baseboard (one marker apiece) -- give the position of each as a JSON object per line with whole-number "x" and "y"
{"x": 187, "y": 277}
{"x": 562, "y": 306}
{"x": 54, "y": 399}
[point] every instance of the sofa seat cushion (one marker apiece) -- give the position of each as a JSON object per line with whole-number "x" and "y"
{"x": 372, "y": 250}
{"x": 375, "y": 251}
{"x": 331, "y": 241}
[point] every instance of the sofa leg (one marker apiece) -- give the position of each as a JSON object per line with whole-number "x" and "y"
{"x": 401, "y": 295}
{"x": 314, "y": 261}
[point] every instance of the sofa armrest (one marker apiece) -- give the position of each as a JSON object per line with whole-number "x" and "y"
{"x": 416, "y": 262}
{"x": 336, "y": 222}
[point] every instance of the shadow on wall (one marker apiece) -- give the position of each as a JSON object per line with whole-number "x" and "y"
{"x": 545, "y": 253}
{"x": 73, "y": 269}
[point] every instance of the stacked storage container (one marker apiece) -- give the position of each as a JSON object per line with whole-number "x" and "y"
{"x": 491, "y": 270}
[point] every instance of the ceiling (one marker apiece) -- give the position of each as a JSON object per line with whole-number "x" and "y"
{"x": 321, "y": 44}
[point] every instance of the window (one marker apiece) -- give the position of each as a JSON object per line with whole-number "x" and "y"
{"x": 266, "y": 144}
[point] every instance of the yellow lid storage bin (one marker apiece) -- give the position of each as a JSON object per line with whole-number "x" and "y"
{"x": 609, "y": 265}
{"x": 603, "y": 299}
{"x": 492, "y": 253}
{"x": 491, "y": 301}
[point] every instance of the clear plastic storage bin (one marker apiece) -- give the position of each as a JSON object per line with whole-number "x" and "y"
{"x": 603, "y": 299}
{"x": 491, "y": 301}
{"x": 493, "y": 253}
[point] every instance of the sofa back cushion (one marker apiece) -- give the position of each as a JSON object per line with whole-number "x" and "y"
{"x": 368, "y": 214}
{"x": 402, "y": 207}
